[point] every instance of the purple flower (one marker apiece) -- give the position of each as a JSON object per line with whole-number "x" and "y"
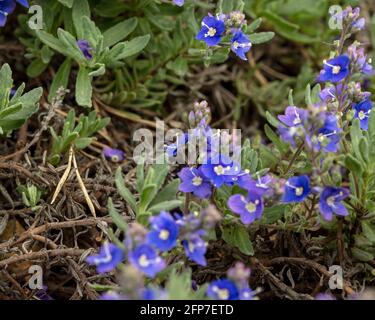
{"x": 240, "y": 44}
{"x": 221, "y": 170}
{"x": 327, "y": 137}
{"x": 194, "y": 181}
{"x": 115, "y": 155}
{"x": 164, "y": 232}
{"x": 260, "y": 186}
{"x": 212, "y": 30}
{"x": 145, "y": 258}
{"x": 330, "y": 202}
{"x": 223, "y": 289}
{"x": 362, "y": 112}
{"x": 108, "y": 258}
{"x": 324, "y": 296}
{"x": 6, "y": 8}
{"x": 179, "y": 3}
{"x": 293, "y": 116}
{"x": 359, "y": 24}
{"x": 43, "y": 295}
{"x": 247, "y": 294}
{"x": 85, "y": 48}
{"x": 195, "y": 248}
{"x": 152, "y": 293}
{"x": 328, "y": 94}
{"x": 358, "y": 56}
{"x": 173, "y": 148}
{"x": 249, "y": 208}
{"x": 335, "y": 70}
{"x": 296, "y": 189}
{"x": 113, "y": 295}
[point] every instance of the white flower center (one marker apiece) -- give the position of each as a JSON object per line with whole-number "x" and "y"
{"x": 223, "y": 294}
{"x": 164, "y": 234}
{"x": 331, "y": 201}
{"x": 143, "y": 261}
{"x": 336, "y": 69}
{"x": 251, "y": 207}
{"x": 235, "y": 44}
{"x": 197, "y": 181}
{"x": 219, "y": 170}
{"x": 299, "y": 191}
{"x": 115, "y": 158}
{"x": 211, "y": 32}
{"x": 361, "y": 115}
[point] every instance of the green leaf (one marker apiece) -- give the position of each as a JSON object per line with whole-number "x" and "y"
{"x": 60, "y": 79}
{"x": 80, "y": 9}
{"x": 147, "y": 195}
{"x": 368, "y": 231}
{"x": 67, "y": 3}
{"x": 353, "y": 165}
{"x": 166, "y": 205}
{"x": 238, "y": 236}
{"x": 83, "y": 88}
{"x": 82, "y": 143}
{"x": 133, "y": 46}
{"x": 124, "y": 191}
{"x": 35, "y": 68}
{"x": 119, "y": 32}
{"x": 118, "y": 219}
{"x": 362, "y": 255}
{"x": 272, "y": 120}
{"x": 167, "y": 193}
{"x": 261, "y": 37}
{"x": 254, "y": 25}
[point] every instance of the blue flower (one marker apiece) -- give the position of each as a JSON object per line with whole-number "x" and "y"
{"x": 247, "y": 294}
{"x": 179, "y": 3}
{"x": 145, "y": 258}
{"x": 296, "y": 189}
{"x": 115, "y": 155}
{"x": 327, "y": 137}
{"x": 7, "y": 7}
{"x": 151, "y": 293}
{"x": 221, "y": 170}
{"x": 240, "y": 44}
{"x": 260, "y": 186}
{"x": 330, "y": 202}
{"x": 85, "y": 48}
{"x": 223, "y": 289}
{"x": 335, "y": 70}
{"x": 249, "y": 208}
{"x": 362, "y": 112}
{"x": 328, "y": 94}
{"x": 212, "y": 30}
{"x": 293, "y": 116}
{"x": 324, "y": 296}
{"x": 359, "y": 24}
{"x": 195, "y": 248}
{"x": 194, "y": 181}
{"x": 164, "y": 232}
{"x": 293, "y": 119}
{"x": 113, "y": 295}
{"x": 108, "y": 258}
{"x": 173, "y": 148}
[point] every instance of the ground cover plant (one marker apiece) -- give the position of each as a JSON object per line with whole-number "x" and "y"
{"x": 159, "y": 149}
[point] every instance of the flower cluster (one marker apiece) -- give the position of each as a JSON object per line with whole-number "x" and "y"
{"x": 234, "y": 287}
{"x": 320, "y": 126}
{"x": 143, "y": 248}
{"x": 7, "y": 7}
{"x": 216, "y": 28}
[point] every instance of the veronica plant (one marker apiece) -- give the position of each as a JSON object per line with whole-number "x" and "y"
{"x": 80, "y": 135}
{"x": 15, "y": 106}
